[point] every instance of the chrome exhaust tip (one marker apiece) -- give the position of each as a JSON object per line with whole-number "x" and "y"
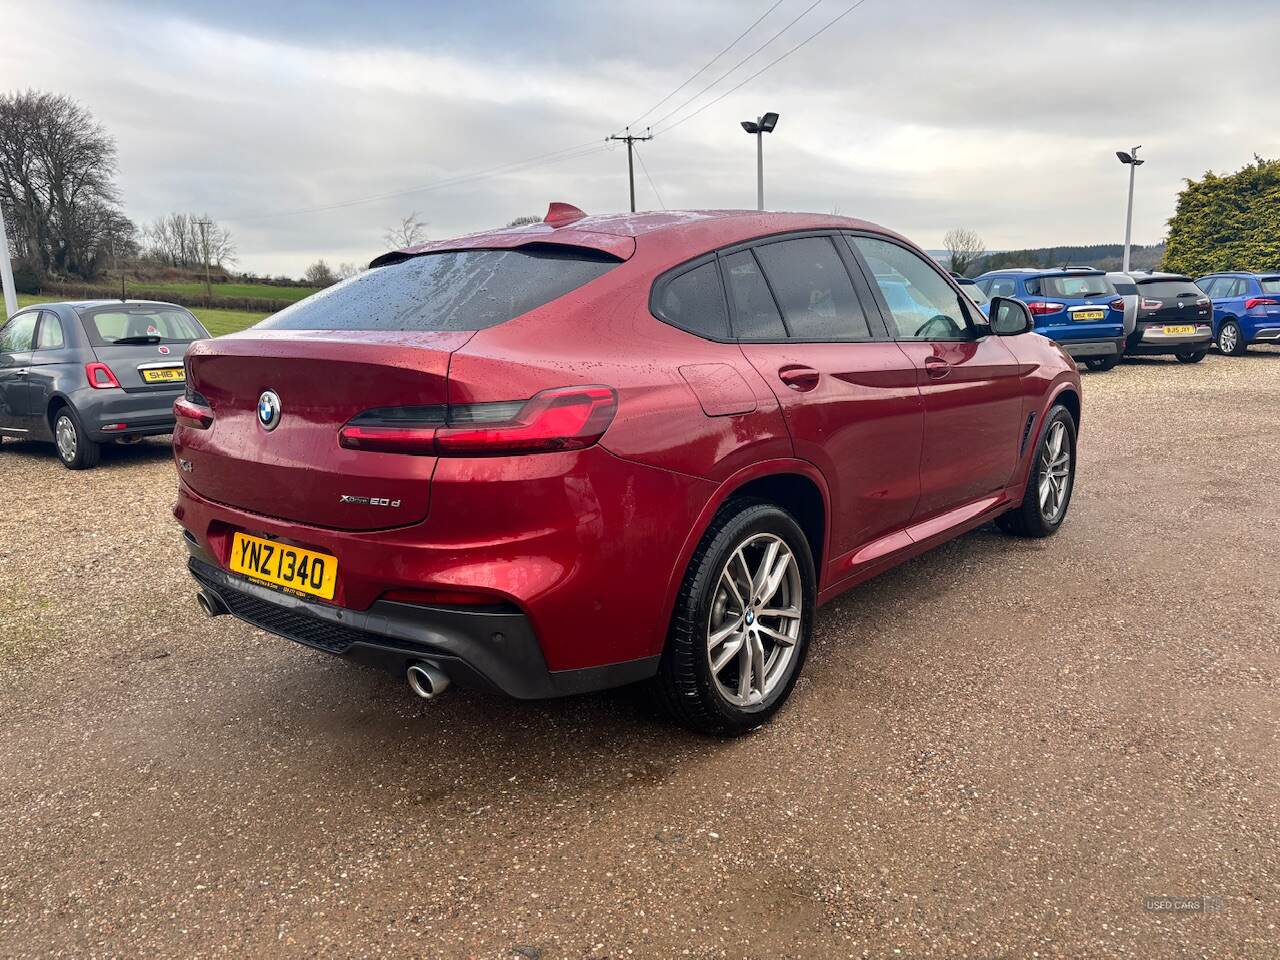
{"x": 210, "y": 603}
{"x": 427, "y": 680}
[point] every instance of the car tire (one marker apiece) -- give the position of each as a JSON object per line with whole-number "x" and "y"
{"x": 75, "y": 449}
{"x": 1231, "y": 339}
{"x": 1031, "y": 518}
{"x": 1102, "y": 364}
{"x": 1193, "y": 356}
{"x": 746, "y": 537}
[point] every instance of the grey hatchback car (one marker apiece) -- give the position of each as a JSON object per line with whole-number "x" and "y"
{"x": 87, "y": 373}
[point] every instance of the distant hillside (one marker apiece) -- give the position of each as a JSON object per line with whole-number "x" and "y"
{"x": 1104, "y": 256}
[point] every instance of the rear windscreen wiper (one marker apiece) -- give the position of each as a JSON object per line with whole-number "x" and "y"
{"x": 144, "y": 338}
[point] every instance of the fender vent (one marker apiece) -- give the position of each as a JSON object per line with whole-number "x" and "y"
{"x": 1026, "y": 434}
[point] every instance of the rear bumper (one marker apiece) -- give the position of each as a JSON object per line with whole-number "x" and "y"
{"x": 1265, "y": 333}
{"x": 143, "y": 414}
{"x": 495, "y": 650}
{"x": 1108, "y": 347}
{"x": 1152, "y": 341}
{"x": 582, "y": 543}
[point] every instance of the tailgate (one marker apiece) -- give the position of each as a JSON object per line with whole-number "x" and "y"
{"x": 297, "y": 470}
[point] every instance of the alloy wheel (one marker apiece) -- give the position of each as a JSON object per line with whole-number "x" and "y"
{"x": 1228, "y": 337}
{"x": 1055, "y": 472}
{"x": 755, "y": 620}
{"x": 65, "y": 434}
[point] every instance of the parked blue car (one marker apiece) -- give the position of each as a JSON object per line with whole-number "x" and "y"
{"x": 1246, "y": 309}
{"x": 1076, "y": 306}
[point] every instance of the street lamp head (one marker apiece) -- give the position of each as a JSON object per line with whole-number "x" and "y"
{"x": 768, "y": 122}
{"x": 750, "y": 126}
{"x": 1124, "y": 157}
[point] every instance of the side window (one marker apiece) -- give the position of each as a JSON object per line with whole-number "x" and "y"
{"x": 50, "y": 336}
{"x": 694, "y": 301}
{"x": 923, "y": 304}
{"x": 1236, "y": 287}
{"x": 755, "y": 314}
{"x": 17, "y": 334}
{"x": 1003, "y": 287}
{"x": 813, "y": 289}
{"x": 1208, "y": 285}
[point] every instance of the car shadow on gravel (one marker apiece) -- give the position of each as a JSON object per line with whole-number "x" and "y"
{"x": 114, "y": 455}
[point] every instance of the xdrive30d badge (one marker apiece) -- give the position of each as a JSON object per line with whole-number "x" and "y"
{"x": 625, "y": 449}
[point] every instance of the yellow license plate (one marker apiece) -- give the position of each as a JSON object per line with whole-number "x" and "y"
{"x": 302, "y": 571}
{"x": 1181, "y": 331}
{"x": 1089, "y": 314}
{"x": 174, "y": 375}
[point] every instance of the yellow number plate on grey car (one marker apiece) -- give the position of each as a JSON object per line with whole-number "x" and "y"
{"x": 164, "y": 375}
{"x": 303, "y": 571}
{"x": 1182, "y": 331}
{"x": 1089, "y": 314}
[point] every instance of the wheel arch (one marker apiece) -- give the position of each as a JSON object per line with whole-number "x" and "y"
{"x": 56, "y": 403}
{"x": 789, "y": 483}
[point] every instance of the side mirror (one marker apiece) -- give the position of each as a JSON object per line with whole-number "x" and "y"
{"x": 1009, "y": 317}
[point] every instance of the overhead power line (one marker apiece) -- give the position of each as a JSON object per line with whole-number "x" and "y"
{"x": 556, "y": 156}
{"x": 650, "y": 179}
{"x": 703, "y": 69}
{"x": 831, "y": 23}
{"x": 714, "y": 82}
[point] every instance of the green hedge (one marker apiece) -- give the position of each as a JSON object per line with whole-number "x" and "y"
{"x": 1227, "y": 223}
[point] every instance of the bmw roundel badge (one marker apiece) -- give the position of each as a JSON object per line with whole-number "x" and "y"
{"x": 269, "y": 410}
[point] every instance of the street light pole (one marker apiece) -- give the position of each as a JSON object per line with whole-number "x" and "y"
{"x": 759, "y": 169}
{"x": 759, "y": 127}
{"x": 1131, "y": 160}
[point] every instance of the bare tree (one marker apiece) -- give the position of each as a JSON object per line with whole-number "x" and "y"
{"x": 347, "y": 270}
{"x": 409, "y": 232}
{"x": 320, "y": 274}
{"x": 175, "y": 240}
{"x": 524, "y": 221}
{"x": 57, "y": 185}
{"x": 965, "y": 248}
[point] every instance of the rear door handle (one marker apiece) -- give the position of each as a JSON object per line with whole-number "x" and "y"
{"x": 936, "y": 367}
{"x": 798, "y": 378}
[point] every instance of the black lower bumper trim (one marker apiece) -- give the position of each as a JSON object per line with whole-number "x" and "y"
{"x": 497, "y": 650}
{"x": 1092, "y": 348}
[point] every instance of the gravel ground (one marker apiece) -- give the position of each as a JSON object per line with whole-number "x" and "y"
{"x": 998, "y": 750}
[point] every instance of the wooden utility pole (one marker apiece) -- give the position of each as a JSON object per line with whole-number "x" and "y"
{"x": 204, "y": 248}
{"x": 631, "y": 169}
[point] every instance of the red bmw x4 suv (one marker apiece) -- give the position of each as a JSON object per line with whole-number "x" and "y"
{"x": 601, "y": 450}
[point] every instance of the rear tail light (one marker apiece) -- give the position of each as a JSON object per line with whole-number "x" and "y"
{"x": 1260, "y": 302}
{"x": 1149, "y": 304}
{"x": 564, "y": 418}
{"x": 193, "y": 411}
{"x": 1040, "y": 308}
{"x": 100, "y": 376}
{"x": 1117, "y": 304}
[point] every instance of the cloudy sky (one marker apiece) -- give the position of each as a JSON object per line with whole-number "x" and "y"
{"x": 310, "y": 128}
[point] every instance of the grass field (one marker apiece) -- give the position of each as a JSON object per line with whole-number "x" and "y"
{"x": 216, "y": 322}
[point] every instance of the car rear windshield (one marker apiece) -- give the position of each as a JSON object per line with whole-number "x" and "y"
{"x": 461, "y": 290}
{"x": 107, "y": 325}
{"x": 1071, "y": 287}
{"x": 1270, "y": 284}
{"x": 1169, "y": 289}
